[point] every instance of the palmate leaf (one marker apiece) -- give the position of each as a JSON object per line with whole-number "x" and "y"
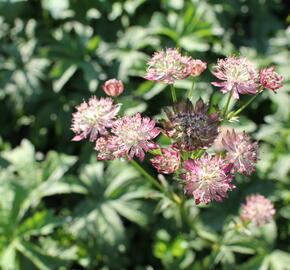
{"x": 8, "y": 258}
{"x": 111, "y": 193}
{"x": 38, "y": 257}
{"x": 24, "y": 182}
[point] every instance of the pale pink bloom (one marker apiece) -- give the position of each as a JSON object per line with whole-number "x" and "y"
{"x": 208, "y": 178}
{"x": 258, "y": 210}
{"x": 271, "y": 79}
{"x": 197, "y": 67}
{"x": 241, "y": 152}
{"x": 93, "y": 118}
{"x": 166, "y": 163}
{"x": 106, "y": 147}
{"x": 113, "y": 87}
{"x": 238, "y": 75}
{"x": 134, "y": 135}
{"x": 168, "y": 66}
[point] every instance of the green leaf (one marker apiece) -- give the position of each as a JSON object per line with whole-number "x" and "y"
{"x": 41, "y": 223}
{"x": 8, "y": 258}
{"x": 58, "y": 84}
{"x": 38, "y": 257}
{"x": 56, "y": 165}
{"x": 131, "y": 210}
{"x": 23, "y": 160}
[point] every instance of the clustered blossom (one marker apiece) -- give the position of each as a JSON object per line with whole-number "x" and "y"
{"x": 113, "y": 87}
{"x": 207, "y": 179}
{"x": 238, "y": 75}
{"x": 133, "y": 136}
{"x": 106, "y": 146}
{"x": 197, "y": 67}
{"x": 166, "y": 163}
{"x": 271, "y": 79}
{"x": 93, "y": 118}
{"x": 258, "y": 210}
{"x": 241, "y": 152}
{"x": 190, "y": 126}
{"x": 168, "y": 66}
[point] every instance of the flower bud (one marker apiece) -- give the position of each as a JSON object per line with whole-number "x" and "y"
{"x": 197, "y": 67}
{"x": 113, "y": 87}
{"x": 271, "y": 79}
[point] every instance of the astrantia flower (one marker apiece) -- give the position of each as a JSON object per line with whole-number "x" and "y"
{"x": 167, "y": 66}
{"x": 93, "y": 117}
{"x": 238, "y": 74}
{"x": 258, "y": 210}
{"x": 241, "y": 152}
{"x": 166, "y": 163}
{"x": 134, "y": 135}
{"x": 197, "y": 67}
{"x": 208, "y": 179}
{"x": 190, "y": 126}
{"x": 271, "y": 79}
{"x": 113, "y": 87}
{"x": 106, "y": 147}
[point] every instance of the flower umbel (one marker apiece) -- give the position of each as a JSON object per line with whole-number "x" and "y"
{"x": 208, "y": 179}
{"x": 166, "y": 163}
{"x": 271, "y": 79}
{"x": 238, "y": 74}
{"x": 93, "y": 118}
{"x": 167, "y": 66}
{"x": 113, "y": 87}
{"x": 241, "y": 152}
{"x": 190, "y": 126}
{"x": 197, "y": 67}
{"x": 106, "y": 147}
{"x": 133, "y": 135}
{"x": 258, "y": 210}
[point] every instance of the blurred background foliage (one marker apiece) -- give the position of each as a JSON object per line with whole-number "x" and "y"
{"x": 62, "y": 209}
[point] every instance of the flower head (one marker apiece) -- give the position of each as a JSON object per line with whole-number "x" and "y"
{"x": 197, "y": 67}
{"x": 113, "y": 87}
{"x": 241, "y": 152}
{"x": 190, "y": 126}
{"x": 238, "y": 74}
{"x": 271, "y": 79}
{"x": 93, "y": 117}
{"x": 166, "y": 163}
{"x": 133, "y": 135}
{"x": 106, "y": 147}
{"x": 207, "y": 179}
{"x": 258, "y": 210}
{"x": 167, "y": 66}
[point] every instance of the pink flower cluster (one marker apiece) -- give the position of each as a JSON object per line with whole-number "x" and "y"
{"x": 168, "y": 66}
{"x": 239, "y": 76}
{"x": 258, "y": 210}
{"x": 207, "y": 178}
{"x": 122, "y": 137}
{"x": 191, "y": 128}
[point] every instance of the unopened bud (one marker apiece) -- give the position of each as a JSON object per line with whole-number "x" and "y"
{"x": 113, "y": 87}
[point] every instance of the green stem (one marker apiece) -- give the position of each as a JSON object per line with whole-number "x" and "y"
{"x": 171, "y": 195}
{"x": 232, "y": 114}
{"x": 227, "y": 105}
{"x": 173, "y": 94}
{"x": 191, "y": 90}
{"x": 147, "y": 175}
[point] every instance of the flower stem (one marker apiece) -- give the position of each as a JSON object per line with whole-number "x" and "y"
{"x": 173, "y": 94}
{"x": 227, "y": 105}
{"x": 171, "y": 195}
{"x": 146, "y": 175}
{"x": 232, "y": 114}
{"x": 191, "y": 89}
